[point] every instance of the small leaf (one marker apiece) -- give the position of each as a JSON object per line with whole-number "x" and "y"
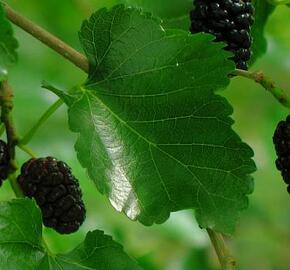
{"x": 21, "y": 244}
{"x": 153, "y": 135}
{"x": 20, "y": 235}
{"x": 8, "y": 45}
{"x": 98, "y": 251}
{"x": 262, "y": 12}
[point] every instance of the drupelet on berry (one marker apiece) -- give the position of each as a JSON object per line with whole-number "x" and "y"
{"x": 229, "y": 21}
{"x": 56, "y": 191}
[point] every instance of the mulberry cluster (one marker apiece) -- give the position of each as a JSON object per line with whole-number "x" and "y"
{"x": 230, "y": 21}
{"x": 56, "y": 191}
{"x": 4, "y": 161}
{"x": 281, "y": 141}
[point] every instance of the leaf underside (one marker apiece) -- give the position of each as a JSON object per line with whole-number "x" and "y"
{"x": 21, "y": 244}
{"x": 8, "y": 45}
{"x": 153, "y": 135}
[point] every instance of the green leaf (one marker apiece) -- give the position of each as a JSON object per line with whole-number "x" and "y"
{"x": 174, "y": 13}
{"x": 98, "y": 251}
{"x": 21, "y": 244}
{"x": 152, "y": 134}
{"x": 262, "y": 12}
{"x": 8, "y": 45}
{"x": 20, "y": 235}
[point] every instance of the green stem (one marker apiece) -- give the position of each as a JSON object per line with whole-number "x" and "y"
{"x": 27, "y": 137}
{"x": 267, "y": 83}
{"x": 2, "y": 129}
{"x": 27, "y": 150}
{"x": 15, "y": 186}
{"x": 226, "y": 260}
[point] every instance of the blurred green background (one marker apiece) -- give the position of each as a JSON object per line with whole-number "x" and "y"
{"x": 262, "y": 238}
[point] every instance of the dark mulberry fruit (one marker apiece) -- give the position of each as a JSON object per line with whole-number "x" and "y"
{"x": 281, "y": 141}
{"x": 56, "y": 191}
{"x": 230, "y": 21}
{"x": 4, "y": 161}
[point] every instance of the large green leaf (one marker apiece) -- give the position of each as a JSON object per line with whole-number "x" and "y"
{"x": 262, "y": 12}
{"x": 21, "y": 244}
{"x": 8, "y": 45}
{"x": 152, "y": 134}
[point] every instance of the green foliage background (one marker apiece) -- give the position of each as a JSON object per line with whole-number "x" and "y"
{"x": 262, "y": 237}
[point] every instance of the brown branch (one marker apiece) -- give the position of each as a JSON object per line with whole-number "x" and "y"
{"x": 6, "y": 102}
{"x": 47, "y": 38}
{"x": 6, "y": 99}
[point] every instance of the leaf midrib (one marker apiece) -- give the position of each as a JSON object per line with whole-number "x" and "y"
{"x": 88, "y": 93}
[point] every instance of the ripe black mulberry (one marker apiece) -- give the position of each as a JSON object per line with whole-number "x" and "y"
{"x": 56, "y": 191}
{"x": 281, "y": 141}
{"x": 229, "y": 21}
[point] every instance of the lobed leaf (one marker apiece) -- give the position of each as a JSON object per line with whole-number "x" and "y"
{"x": 153, "y": 135}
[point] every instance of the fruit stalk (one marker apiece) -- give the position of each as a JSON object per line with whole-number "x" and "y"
{"x": 27, "y": 137}
{"x": 267, "y": 83}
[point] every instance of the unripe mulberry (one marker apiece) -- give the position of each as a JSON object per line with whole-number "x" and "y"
{"x": 229, "y": 21}
{"x": 4, "y": 161}
{"x": 281, "y": 141}
{"x": 56, "y": 191}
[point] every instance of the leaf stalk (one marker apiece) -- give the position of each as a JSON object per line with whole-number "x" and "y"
{"x": 226, "y": 260}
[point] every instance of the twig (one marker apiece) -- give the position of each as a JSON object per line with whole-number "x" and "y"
{"x": 47, "y": 38}
{"x": 226, "y": 260}
{"x": 267, "y": 83}
{"x": 6, "y": 101}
